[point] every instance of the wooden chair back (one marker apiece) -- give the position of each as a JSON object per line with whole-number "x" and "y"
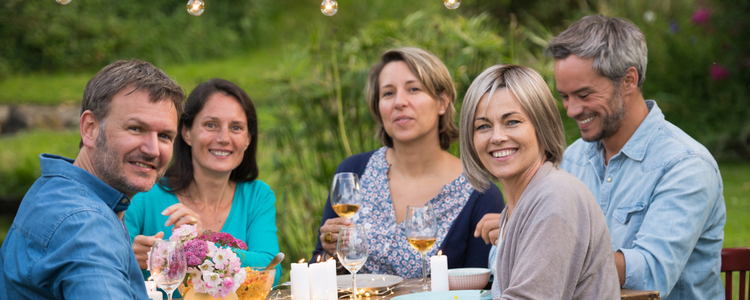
{"x": 735, "y": 260}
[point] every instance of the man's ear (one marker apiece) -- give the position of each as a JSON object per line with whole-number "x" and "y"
{"x": 90, "y": 129}
{"x": 629, "y": 82}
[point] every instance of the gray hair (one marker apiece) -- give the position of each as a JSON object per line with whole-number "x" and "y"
{"x": 615, "y": 44}
{"x": 530, "y": 89}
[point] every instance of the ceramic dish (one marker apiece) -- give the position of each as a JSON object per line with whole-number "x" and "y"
{"x": 449, "y": 295}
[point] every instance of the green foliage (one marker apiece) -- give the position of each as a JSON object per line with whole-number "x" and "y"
{"x": 19, "y": 158}
{"x": 85, "y": 35}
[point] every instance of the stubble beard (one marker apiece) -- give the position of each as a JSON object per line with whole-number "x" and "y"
{"x": 110, "y": 169}
{"x": 611, "y": 122}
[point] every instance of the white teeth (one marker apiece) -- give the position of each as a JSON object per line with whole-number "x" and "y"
{"x": 503, "y": 153}
{"x": 221, "y": 153}
{"x": 582, "y": 122}
{"x": 142, "y": 165}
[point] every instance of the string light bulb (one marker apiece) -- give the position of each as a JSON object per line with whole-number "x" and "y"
{"x": 329, "y": 7}
{"x": 63, "y": 2}
{"x": 195, "y": 7}
{"x": 452, "y": 4}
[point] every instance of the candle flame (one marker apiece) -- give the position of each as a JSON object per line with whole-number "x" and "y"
{"x": 328, "y": 6}
{"x": 149, "y": 278}
{"x": 318, "y": 260}
{"x": 301, "y": 261}
{"x": 440, "y": 252}
{"x": 329, "y": 259}
{"x": 451, "y": 1}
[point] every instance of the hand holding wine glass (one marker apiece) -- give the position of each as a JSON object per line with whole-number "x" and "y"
{"x": 167, "y": 265}
{"x": 346, "y": 196}
{"x": 421, "y": 232}
{"x": 352, "y": 250}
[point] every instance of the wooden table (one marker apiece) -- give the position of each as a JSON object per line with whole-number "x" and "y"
{"x": 412, "y": 284}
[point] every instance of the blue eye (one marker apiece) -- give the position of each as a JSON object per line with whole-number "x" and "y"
{"x": 482, "y": 127}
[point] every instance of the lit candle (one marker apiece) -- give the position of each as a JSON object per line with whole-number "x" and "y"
{"x": 318, "y": 283}
{"x": 153, "y": 294}
{"x": 331, "y": 284}
{"x": 439, "y": 267}
{"x": 300, "y": 281}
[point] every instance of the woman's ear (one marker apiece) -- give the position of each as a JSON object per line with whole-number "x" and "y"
{"x": 186, "y": 136}
{"x": 444, "y": 102}
{"x": 90, "y": 129}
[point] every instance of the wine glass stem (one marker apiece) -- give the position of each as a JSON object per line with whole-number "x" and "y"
{"x": 169, "y": 295}
{"x": 424, "y": 272}
{"x": 354, "y": 286}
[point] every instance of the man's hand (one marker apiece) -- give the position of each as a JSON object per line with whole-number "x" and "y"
{"x": 141, "y": 245}
{"x": 488, "y": 228}
{"x": 331, "y": 228}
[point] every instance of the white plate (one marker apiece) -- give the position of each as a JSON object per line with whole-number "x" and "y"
{"x": 373, "y": 281}
{"x": 449, "y": 295}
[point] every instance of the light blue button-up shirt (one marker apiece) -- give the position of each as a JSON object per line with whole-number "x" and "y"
{"x": 67, "y": 242}
{"x": 662, "y": 196}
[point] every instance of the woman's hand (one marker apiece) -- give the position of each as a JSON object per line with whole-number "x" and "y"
{"x": 180, "y": 215}
{"x": 331, "y": 229}
{"x": 141, "y": 245}
{"x": 488, "y": 228}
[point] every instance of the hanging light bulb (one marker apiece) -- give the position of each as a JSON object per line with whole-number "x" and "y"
{"x": 195, "y": 7}
{"x": 63, "y": 2}
{"x": 452, "y": 4}
{"x": 329, "y": 7}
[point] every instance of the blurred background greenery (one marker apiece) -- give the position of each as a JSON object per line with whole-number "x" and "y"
{"x": 306, "y": 73}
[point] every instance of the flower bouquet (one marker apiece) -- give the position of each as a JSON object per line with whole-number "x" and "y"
{"x": 212, "y": 267}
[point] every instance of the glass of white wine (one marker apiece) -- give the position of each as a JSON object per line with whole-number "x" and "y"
{"x": 346, "y": 195}
{"x": 352, "y": 249}
{"x": 421, "y": 232}
{"x": 167, "y": 265}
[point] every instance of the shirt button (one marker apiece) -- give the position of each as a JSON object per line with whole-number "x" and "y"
{"x": 609, "y": 179}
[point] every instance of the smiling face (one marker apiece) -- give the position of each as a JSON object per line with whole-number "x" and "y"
{"x": 219, "y": 135}
{"x": 134, "y": 144}
{"x": 408, "y": 111}
{"x": 504, "y": 137}
{"x": 589, "y": 98}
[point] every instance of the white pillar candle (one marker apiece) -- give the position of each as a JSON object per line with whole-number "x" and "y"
{"x": 318, "y": 281}
{"x": 331, "y": 283}
{"x": 300, "y": 281}
{"x": 439, "y": 267}
{"x": 153, "y": 294}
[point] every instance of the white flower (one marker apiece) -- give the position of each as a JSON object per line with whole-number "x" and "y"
{"x": 212, "y": 279}
{"x": 207, "y": 266}
{"x": 649, "y": 16}
{"x": 239, "y": 278}
{"x": 221, "y": 257}
{"x": 211, "y": 249}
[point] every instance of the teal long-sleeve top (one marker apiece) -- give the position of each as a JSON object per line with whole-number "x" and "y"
{"x": 251, "y": 219}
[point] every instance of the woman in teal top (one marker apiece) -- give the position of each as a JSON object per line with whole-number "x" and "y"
{"x": 212, "y": 180}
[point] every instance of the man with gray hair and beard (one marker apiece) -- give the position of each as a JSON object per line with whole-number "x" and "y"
{"x": 68, "y": 240}
{"x": 659, "y": 189}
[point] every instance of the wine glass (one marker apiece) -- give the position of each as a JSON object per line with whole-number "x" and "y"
{"x": 167, "y": 265}
{"x": 346, "y": 197}
{"x": 421, "y": 232}
{"x": 352, "y": 249}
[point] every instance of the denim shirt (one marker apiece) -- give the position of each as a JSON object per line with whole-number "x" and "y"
{"x": 662, "y": 199}
{"x": 67, "y": 242}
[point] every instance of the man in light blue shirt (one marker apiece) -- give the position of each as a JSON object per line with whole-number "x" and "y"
{"x": 68, "y": 240}
{"x": 659, "y": 189}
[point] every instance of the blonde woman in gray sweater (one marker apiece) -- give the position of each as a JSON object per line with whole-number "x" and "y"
{"x": 553, "y": 241}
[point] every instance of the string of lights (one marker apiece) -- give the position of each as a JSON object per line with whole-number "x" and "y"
{"x": 327, "y": 7}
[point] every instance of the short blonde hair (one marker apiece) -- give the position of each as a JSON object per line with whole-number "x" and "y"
{"x": 434, "y": 76}
{"x": 535, "y": 97}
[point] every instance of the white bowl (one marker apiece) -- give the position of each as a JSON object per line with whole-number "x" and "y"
{"x": 468, "y": 278}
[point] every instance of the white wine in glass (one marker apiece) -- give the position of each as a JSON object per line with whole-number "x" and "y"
{"x": 421, "y": 232}
{"x": 167, "y": 265}
{"x": 346, "y": 196}
{"x": 352, "y": 249}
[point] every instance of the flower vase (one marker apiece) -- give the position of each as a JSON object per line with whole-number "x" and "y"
{"x": 192, "y": 295}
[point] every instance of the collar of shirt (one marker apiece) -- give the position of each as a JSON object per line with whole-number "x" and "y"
{"x": 55, "y": 165}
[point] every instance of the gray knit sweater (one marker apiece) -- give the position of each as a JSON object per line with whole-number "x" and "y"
{"x": 556, "y": 243}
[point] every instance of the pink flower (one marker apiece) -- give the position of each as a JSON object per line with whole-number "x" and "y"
{"x": 701, "y": 16}
{"x": 718, "y": 72}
